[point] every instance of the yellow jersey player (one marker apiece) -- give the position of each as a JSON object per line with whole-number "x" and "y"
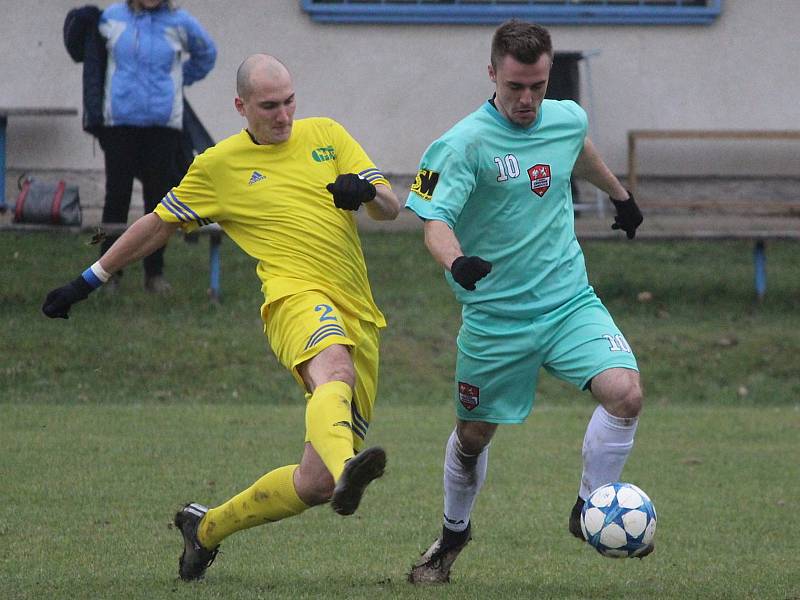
{"x": 286, "y": 192}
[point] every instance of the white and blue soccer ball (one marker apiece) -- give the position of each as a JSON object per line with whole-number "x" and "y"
{"x": 619, "y": 520}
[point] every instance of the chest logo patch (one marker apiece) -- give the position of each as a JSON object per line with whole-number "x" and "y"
{"x": 425, "y": 183}
{"x": 323, "y": 154}
{"x": 255, "y": 178}
{"x": 540, "y": 179}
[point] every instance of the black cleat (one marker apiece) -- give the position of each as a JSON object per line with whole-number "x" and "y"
{"x": 195, "y": 559}
{"x": 576, "y": 530}
{"x": 434, "y": 565}
{"x": 575, "y": 519}
{"x": 357, "y": 475}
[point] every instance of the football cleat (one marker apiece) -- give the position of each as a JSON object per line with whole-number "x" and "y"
{"x": 195, "y": 559}
{"x": 434, "y": 565}
{"x": 575, "y": 528}
{"x": 358, "y": 472}
{"x": 575, "y": 519}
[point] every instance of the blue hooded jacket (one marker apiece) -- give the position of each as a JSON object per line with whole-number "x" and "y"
{"x": 146, "y": 70}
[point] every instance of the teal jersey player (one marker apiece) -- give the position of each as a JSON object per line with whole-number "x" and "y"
{"x": 505, "y": 191}
{"x": 495, "y": 196}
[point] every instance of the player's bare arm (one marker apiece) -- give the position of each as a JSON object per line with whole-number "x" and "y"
{"x": 590, "y": 166}
{"x": 385, "y": 206}
{"x": 443, "y": 245}
{"x": 141, "y": 239}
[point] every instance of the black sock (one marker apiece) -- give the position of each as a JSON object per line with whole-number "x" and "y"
{"x": 452, "y": 538}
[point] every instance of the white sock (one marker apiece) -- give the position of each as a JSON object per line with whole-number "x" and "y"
{"x": 606, "y": 446}
{"x": 464, "y": 475}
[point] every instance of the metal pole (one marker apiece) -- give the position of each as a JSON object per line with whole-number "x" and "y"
{"x": 598, "y": 195}
{"x": 760, "y": 264}
{"x": 3, "y": 123}
{"x": 214, "y": 242}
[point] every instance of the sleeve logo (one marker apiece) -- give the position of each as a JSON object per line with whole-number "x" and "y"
{"x": 425, "y": 183}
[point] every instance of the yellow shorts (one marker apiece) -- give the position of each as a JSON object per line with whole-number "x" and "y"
{"x": 302, "y": 325}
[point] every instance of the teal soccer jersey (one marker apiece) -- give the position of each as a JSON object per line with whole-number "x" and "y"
{"x": 505, "y": 192}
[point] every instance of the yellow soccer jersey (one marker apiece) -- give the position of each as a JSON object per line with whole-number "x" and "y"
{"x": 271, "y": 200}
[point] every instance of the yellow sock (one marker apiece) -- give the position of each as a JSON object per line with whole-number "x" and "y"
{"x": 269, "y": 499}
{"x": 328, "y": 425}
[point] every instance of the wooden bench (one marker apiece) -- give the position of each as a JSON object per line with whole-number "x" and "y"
{"x": 712, "y": 218}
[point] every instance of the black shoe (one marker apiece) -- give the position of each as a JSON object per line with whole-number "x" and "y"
{"x": 195, "y": 559}
{"x": 357, "y": 475}
{"x": 575, "y": 519}
{"x": 434, "y": 565}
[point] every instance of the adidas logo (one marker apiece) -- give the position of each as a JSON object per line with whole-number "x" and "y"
{"x": 255, "y": 178}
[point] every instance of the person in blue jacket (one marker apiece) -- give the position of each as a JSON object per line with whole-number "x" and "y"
{"x": 153, "y": 50}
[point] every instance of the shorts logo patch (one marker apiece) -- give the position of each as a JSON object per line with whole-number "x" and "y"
{"x": 540, "y": 179}
{"x": 425, "y": 183}
{"x": 468, "y": 395}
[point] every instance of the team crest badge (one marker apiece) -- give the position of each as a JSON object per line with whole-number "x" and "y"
{"x": 468, "y": 395}
{"x": 540, "y": 179}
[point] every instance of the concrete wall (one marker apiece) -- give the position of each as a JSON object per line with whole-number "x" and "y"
{"x": 397, "y": 87}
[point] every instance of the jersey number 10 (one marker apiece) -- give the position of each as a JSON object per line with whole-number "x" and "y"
{"x": 508, "y": 167}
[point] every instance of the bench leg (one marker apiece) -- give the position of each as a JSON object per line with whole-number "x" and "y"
{"x": 760, "y": 264}
{"x": 3, "y": 122}
{"x": 214, "y": 242}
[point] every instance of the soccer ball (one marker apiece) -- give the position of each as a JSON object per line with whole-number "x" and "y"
{"x": 619, "y": 520}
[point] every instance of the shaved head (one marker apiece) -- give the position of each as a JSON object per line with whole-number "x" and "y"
{"x": 258, "y": 68}
{"x": 265, "y": 98}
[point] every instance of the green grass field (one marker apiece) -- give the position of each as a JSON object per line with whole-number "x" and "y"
{"x": 109, "y": 421}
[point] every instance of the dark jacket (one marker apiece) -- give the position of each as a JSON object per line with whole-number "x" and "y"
{"x": 85, "y": 44}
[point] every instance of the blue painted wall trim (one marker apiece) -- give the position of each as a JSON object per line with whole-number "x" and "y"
{"x": 492, "y": 13}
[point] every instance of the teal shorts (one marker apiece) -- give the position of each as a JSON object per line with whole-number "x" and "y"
{"x": 498, "y": 361}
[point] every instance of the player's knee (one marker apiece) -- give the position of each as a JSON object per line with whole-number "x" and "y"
{"x": 474, "y": 436}
{"x": 343, "y": 372}
{"x": 332, "y": 364}
{"x": 630, "y": 400}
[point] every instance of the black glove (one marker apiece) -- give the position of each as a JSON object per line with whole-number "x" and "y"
{"x": 466, "y": 270}
{"x": 59, "y": 301}
{"x": 628, "y": 216}
{"x": 350, "y": 191}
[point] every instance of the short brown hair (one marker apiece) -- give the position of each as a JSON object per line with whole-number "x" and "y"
{"x": 526, "y": 42}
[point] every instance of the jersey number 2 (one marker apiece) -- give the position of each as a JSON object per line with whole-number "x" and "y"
{"x": 327, "y": 309}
